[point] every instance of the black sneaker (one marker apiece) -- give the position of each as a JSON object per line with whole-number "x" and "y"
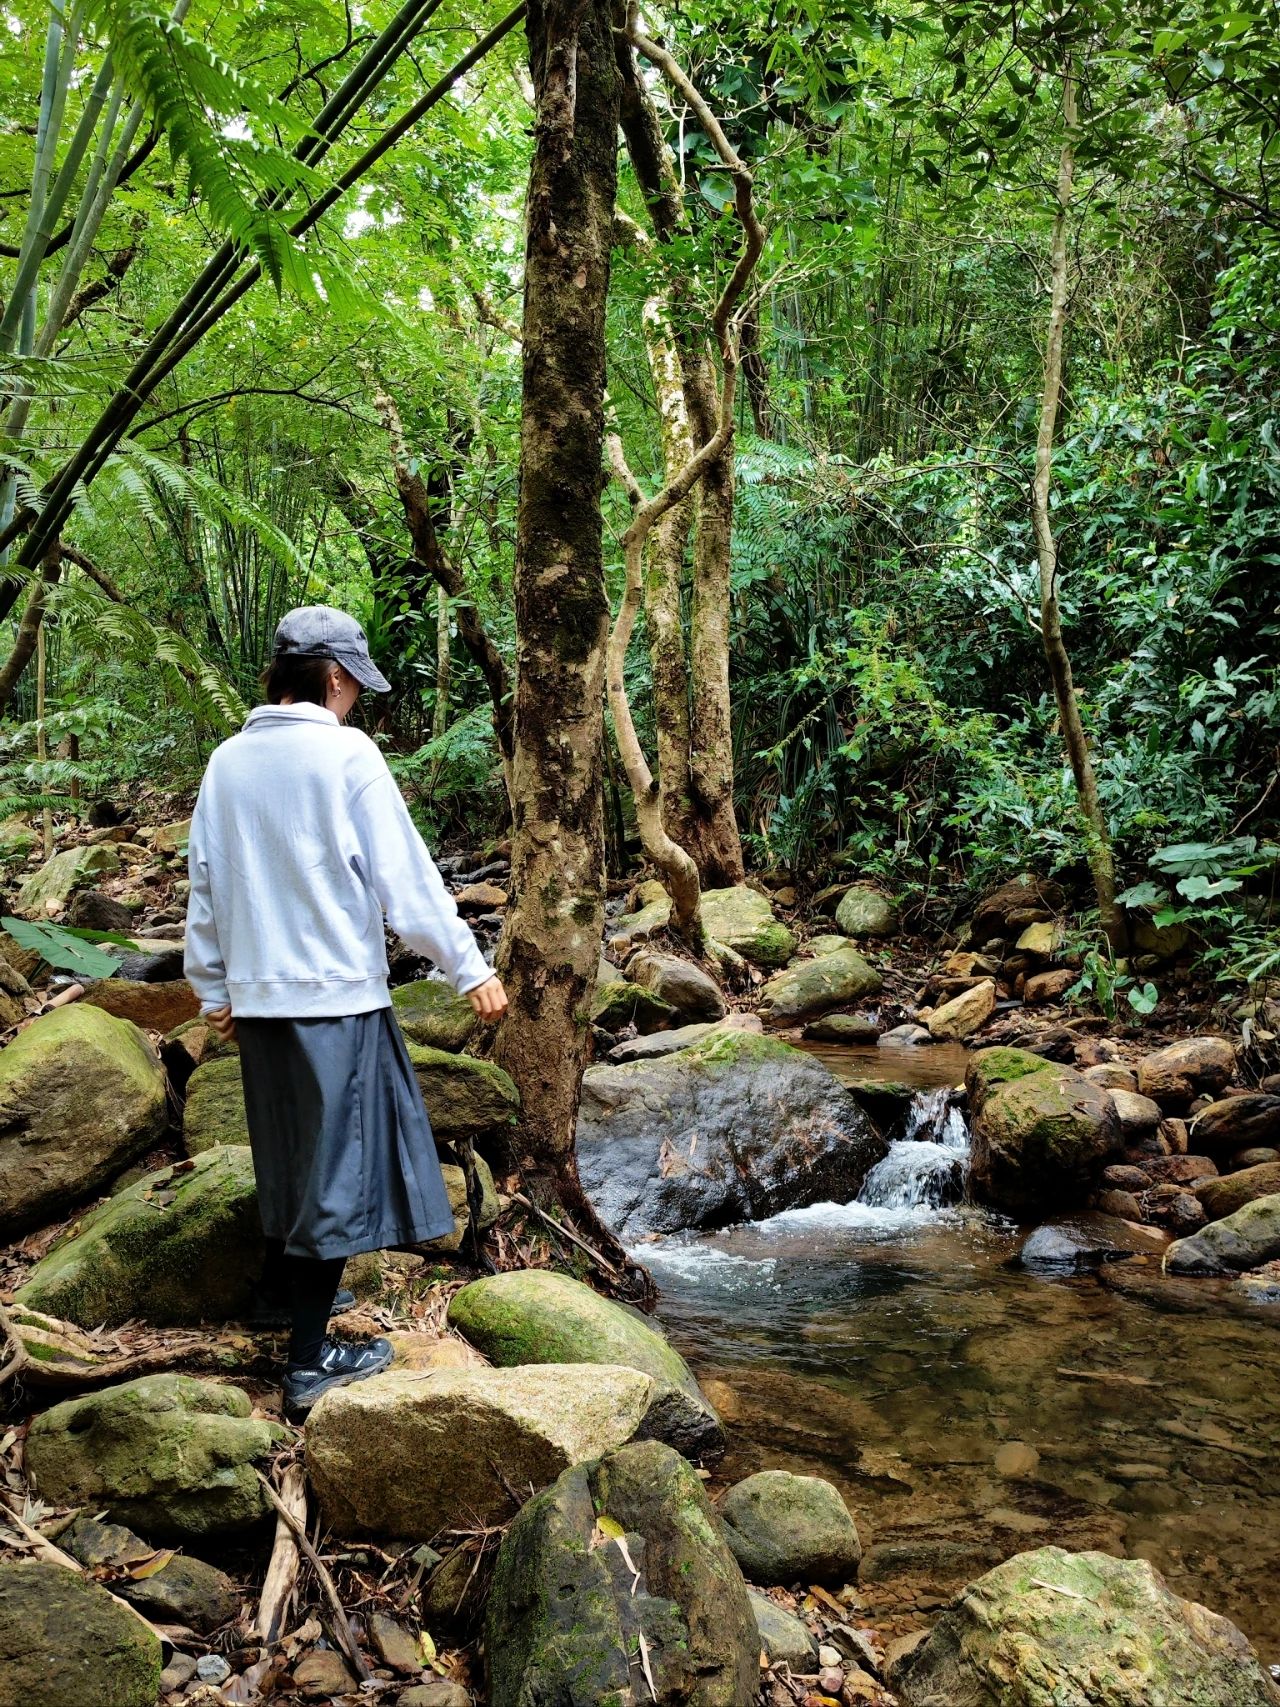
{"x": 341, "y": 1362}
{"x": 275, "y": 1312}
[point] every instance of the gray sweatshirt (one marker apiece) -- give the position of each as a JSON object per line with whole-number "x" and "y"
{"x": 300, "y": 842}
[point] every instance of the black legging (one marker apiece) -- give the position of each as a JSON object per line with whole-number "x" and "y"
{"x": 309, "y": 1284}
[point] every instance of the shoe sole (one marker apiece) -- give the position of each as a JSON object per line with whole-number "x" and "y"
{"x": 297, "y": 1410}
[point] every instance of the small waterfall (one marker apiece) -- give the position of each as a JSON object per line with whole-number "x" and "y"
{"x": 925, "y": 1168}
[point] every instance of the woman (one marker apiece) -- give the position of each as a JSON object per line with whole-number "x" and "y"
{"x": 300, "y": 842}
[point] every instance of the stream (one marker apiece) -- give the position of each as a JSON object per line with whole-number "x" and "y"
{"x": 969, "y": 1409}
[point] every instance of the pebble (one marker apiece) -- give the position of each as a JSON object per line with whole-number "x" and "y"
{"x": 1016, "y": 1458}
{"x": 828, "y": 1656}
{"x": 212, "y": 1668}
{"x": 180, "y": 1670}
{"x": 831, "y": 1680}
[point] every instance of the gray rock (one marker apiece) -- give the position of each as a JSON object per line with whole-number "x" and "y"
{"x": 810, "y": 987}
{"x": 916, "y": 1035}
{"x": 183, "y": 1591}
{"x": 693, "y": 993}
{"x": 660, "y": 1043}
{"x": 1247, "y": 1239}
{"x": 842, "y": 1028}
{"x": 742, "y": 919}
{"x": 1040, "y": 1131}
{"x": 48, "y": 890}
{"x": 567, "y": 1608}
{"x": 1077, "y": 1242}
{"x": 865, "y": 912}
{"x": 784, "y": 1529}
{"x": 65, "y": 1643}
{"x": 782, "y": 1635}
{"x": 733, "y": 1129}
{"x": 1048, "y": 1628}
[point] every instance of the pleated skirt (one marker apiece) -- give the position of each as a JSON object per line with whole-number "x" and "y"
{"x": 342, "y": 1146}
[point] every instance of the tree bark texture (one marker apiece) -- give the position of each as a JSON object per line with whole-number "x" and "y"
{"x": 551, "y": 944}
{"x": 1100, "y": 854}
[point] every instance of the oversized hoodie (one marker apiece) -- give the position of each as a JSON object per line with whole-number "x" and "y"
{"x": 300, "y": 843}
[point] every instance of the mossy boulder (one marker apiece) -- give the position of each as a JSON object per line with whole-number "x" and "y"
{"x": 864, "y": 911}
{"x": 991, "y": 1068}
{"x": 178, "y": 1247}
{"x": 465, "y": 1098}
{"x": 784, "y": 1529}
{"x": 734, "y": 1128}
{"x": 1040, "y": 1138}
{"x": 64, "y": 1642}
{"x": 615, "y": 1005}
{"x": 645, "y": 922}
{"x": 431, "y": 1013}
{"x": 214, "y": 1110}
{"x": 1049, "y": 1628}
{"x": 167, "y": 1455}
{"x": 742, "y": 919}
{"x": 1222, "y": 1197}
{"x": 183, "y": 1591}
{"x": 1247, "y": 1239}
{"x": 48, "y": 890}
{"x": 693, "y": 993}
{"x": 536, "y": 1316}
{"x": 616, "y": 1550}
{"x": 81, "y": 1096}
{"x": 407, "y": 1454}
{"x": 813, "y": 986}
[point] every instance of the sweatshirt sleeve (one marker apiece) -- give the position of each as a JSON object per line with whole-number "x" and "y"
{"x": 403, "y": 875}
{"x": 203, "y": 964}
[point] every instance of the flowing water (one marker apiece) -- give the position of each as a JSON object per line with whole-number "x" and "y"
{"x": 969, "y": 1409}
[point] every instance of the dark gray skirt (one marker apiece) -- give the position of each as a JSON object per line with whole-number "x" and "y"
{"x": 342, "y": 1147}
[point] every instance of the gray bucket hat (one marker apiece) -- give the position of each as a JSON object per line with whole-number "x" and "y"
{"x": 319, "y": 631}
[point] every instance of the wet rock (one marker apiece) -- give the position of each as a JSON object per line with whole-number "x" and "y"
{"x": 1112, "y": 1076}
{"x": 842, "y": 1028}
{"x": 81, "y": 1096}
{"x": 1039, "y": 1133}
{"x": 177, "y": 1247}
{"x": 566, "y": 1610}
{"x": 963, "y": 1014}
{"x": 431, "y": 1013}
{"x": 1222, "y": 1197}
{"x": 1121, "y": 1205}
{"x": 1172, "y": 1206}
{"x": 153, "y": 1007}
{"x": 784, "y": 1529}
{"x": 614, "y": 1006}
{"x": 743, "y": 920}
{"x": 1138, "y": 1115}
{"x": 784, "y": 1638}
{"x": 916, "y": 1036}
{"x": 865, "y": 912}
{"x": 693, "y": 993}
{"x": 1043, "y": 987}
{"x": 1235, "y": 1123}
{"x": 1262, "y": 1286}
{"x": 1051, "y": 1627}
{"x": 1125, "y": 1177}
{"x": 536, "y": 1316}
{"x": 1175, "y": 1076}
{"x": 1247, "y": 1239}
{"x": 660, "y": 1043}
{"x": 213, "y": 1113}
{"x": 47, "y": 891}
{"x": 735, "y": 1128}
{"x": 521, "y": 1427}
{"x": 166, "y": 1454}
{"x": 183, "y": 1591}
{"x": 64, "y": 1642}
{"x": 91, "y": 910}
{"x": 1015, "y": 903}
{"x": 1077, "y": 1242}
{"x": 812, "y": 986}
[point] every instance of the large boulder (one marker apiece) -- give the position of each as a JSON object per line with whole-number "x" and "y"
{"x": 432, "y": 1014}
{"x": 733, "y": 1129}
{"x": 213, "y": 1113}
{"x": 865, "y": 911}
{"x": 1175, "y": 1076}
{"x": 465, "y": 1098}
{"x": 451, "y": 1444}
{"x": 620, "y": 1003}
{"x": 1222, "y": 1197}
{"x": 1247, "y": 1239}
{"x": 785, "y": 1529}
{"x": 1038, "y": 1138}
{"x": 180, "y": 1246}
{"x": 953, "y": 1021}
{"x": 1236, "y": 1123}
{"x": 813, "y": 986}
{"x": 743, "y": 920}
{"x": 47, "y": 891}
{"x": 536, "y": 1316}
{"x": 693, "y": 993}
{"x": 154, "y": 1007}
{"x": 620, "y": 1558}
{"x": 64, "y": 1642}
{"x": 1051, "y": 1628}
{"x": 81, "y": 1095}
{"x": 166, "y": 1454}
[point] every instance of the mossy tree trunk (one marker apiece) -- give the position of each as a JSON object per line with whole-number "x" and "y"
{"x": 1100, "y": 854}
{"x": 551, "y": 944}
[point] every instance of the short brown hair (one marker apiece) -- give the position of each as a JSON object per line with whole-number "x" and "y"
{"x": 289, "y": 675}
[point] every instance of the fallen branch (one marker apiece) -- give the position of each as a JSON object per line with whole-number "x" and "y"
{"x": 345, "y": 1633}
{"x": 18, "y": 1359}
{"x": 282, "y": 1571}
{"x": 566, "y": 1233}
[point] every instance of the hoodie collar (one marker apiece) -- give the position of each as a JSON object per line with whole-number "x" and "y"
{"x": 302, "y": 712}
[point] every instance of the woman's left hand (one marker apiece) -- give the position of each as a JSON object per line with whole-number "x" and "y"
{"x": 222, "y": 1022}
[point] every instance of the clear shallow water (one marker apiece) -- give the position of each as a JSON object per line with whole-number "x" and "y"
{"x": 970, "y": 1410}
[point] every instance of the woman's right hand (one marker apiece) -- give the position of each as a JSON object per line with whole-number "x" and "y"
{"x": 489, "y": 1000}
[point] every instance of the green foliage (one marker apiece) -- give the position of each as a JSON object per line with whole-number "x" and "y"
{"x": 62, "y": 949}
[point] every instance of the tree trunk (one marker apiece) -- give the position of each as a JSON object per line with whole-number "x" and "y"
{"x": 551, "y": 944}
{"x": 1100, "y": 855}
{"x": 24, "y": 641}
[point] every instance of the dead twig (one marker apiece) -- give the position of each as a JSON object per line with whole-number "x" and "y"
{"x": 345, "y": 1633}
{"x": 282, "y": 1570}
{"x": 566, "y": 1233}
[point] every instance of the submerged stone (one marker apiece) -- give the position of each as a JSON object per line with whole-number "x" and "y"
{"x": 1247, "y": 1239}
